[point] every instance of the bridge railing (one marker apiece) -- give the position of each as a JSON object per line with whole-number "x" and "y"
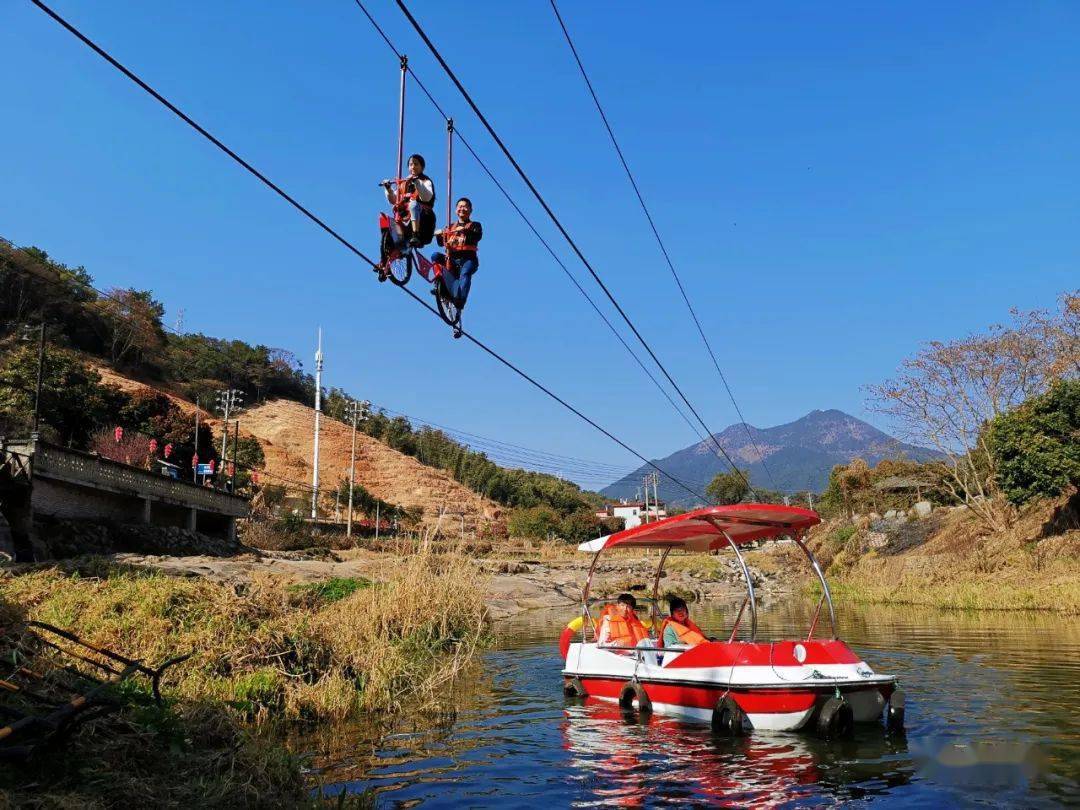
{"x": 91, "y": 469}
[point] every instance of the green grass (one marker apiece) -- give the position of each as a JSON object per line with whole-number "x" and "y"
{"x": 331, "y": 590}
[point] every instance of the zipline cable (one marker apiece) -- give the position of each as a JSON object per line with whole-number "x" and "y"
{"x": 659, "y": 241}
{"x": 528, "y": 222}
{"x": 523, "y": 457}
{"x": 345, "y": 242}
{"x": 558, "y": 224}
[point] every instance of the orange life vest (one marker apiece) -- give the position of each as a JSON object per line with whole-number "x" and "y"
{"x": 401, "y": 207}
{"x": 689, "y": 634}
{"x": 623, "y": 631}
{"x": 454, "y": 237}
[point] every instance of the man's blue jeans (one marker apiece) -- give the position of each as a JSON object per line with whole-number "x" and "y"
{"x": 458, "y": 278}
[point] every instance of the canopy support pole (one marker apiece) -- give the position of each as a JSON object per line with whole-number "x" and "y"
{"x": 401, "y": 119}
{"x": 656, "y": 584}
{"x": 586, "y": 616}
{"x": 749, "y": 582}
{"x": 821, "y": 578}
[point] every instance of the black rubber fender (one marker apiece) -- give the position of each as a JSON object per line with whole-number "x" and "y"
{"x": 836, "y": 720}
{"x": 631, "y": 692}
{"x": 574, "y": 688}
{"x": 894, "y": 713}
{"x": 728, "y": 718}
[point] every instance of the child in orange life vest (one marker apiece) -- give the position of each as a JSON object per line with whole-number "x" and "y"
{"x": 679, "y": 630}
{"x": 413, "y": 196}
{"x": 461, "y": 240}
{"x": 621, "y": 627}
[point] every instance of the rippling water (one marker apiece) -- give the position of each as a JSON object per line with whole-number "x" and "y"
{"x": 993, "y": 718}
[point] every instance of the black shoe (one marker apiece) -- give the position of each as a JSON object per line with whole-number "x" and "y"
{"x": 435, "y": 290}
{"x": 457, "y": 332}
{"x": 414, "y": 241}
{"x": 382, "y": 274}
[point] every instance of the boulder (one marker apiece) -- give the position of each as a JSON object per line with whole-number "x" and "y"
{"x": 877, "y": 539}
{"x": 922, "y": 509}
{"x": 890, "y": 514}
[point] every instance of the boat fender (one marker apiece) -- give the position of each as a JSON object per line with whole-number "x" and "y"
{"x": 568, "y": 633}
{"x": 836, "y": 720}
{"x": 728, "y": 717}
{"x": 631, "y": 692}
{"x": 574, "y": 688}
{"x": 894, "y": 713}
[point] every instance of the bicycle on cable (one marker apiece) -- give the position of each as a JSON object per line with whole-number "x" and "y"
{"x": 451, "y": 272}
{"x": 411, "y": 224}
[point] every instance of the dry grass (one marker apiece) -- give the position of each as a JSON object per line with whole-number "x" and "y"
{"x": 263, "y": 655}
{"x": 962, "y": 566}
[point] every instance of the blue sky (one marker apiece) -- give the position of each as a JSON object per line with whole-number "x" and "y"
{"x": 837, "y": 184}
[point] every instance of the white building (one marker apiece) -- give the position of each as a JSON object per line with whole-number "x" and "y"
{"x": 633, "y": 513}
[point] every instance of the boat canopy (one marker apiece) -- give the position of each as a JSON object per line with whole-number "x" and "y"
{"x": 705, "y": 529}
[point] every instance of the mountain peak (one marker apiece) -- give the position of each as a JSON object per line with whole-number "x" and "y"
{"x": 799, "y": 455}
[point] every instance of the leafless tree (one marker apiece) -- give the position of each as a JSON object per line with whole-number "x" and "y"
{"x": 945, "y": 395}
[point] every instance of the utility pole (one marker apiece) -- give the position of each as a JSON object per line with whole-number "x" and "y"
{"x": 645, "y": 483}
{"x": 195, "y": 469}
{"x": 655, "y": 496}
{"x": 318, "y": 415}
{"x": 235, "y": 443}
{"x": 355, "y": 411}
{"x": 229, "y": 400}
{"x": 40, "y": 375}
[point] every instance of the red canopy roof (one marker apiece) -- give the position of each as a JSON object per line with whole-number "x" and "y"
{"x": 702, "y": 529}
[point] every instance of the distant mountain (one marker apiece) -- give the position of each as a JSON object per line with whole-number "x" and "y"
{"x": 799, "y": 455}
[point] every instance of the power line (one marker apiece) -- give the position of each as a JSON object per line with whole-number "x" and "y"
{"x": 337, "y": 236}
{"x": 529, "y": 224}
{"x": 558, "y": 224}
{"x": 659, "y": 241}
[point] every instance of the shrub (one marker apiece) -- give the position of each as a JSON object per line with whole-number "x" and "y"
{"x": 535, "y": 521}
{"x": 1037, "y": 446}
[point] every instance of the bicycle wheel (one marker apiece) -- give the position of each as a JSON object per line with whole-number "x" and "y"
{"x": 448, "y": 310}
{"x": 400, "y": 268}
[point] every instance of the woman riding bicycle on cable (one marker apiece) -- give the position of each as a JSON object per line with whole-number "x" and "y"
{"x": 413, "y": 198}
{"x": 460, "y": 240}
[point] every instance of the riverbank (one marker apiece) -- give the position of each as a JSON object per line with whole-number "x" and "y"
{"x": 263, "y": 655}
{"x": 951, "y": 561}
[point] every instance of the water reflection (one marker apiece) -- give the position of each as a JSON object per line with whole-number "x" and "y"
{"x": 991, "y": 719}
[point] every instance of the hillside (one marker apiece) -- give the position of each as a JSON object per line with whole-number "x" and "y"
{"x": 799, "y": 455}
{"x": 284, "y": 430}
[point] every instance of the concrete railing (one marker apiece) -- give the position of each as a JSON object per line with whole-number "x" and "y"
{"x": 90, "y": 469}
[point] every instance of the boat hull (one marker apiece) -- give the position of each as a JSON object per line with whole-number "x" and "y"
{"x": 775, "y": 693}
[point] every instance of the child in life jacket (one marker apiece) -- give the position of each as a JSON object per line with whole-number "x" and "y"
{"x": 413, "y": 198}
{"x": 679, "y": 630}
{"x": 619, "y": 625}
{"x": 461, "y": 240}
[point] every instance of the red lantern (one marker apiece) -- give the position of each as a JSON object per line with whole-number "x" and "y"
{"x": 168, "y": 449}
{"x": 232, "y": 469}
{"x": 195, "y": 461}
{"x": 153, "y": 447}
{"x": 211, "y": 466}
{"x": 119, "y": 434}
{"x": 255, "y": 477}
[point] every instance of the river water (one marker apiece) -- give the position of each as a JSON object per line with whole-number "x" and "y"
{"x": 993, "y": 719}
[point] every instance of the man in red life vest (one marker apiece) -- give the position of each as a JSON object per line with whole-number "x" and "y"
{"x": 461, "y": 240}
{"x": 413, "y": 198}
{"x": 679, "y": 630}
{"x": 619, "y": 625}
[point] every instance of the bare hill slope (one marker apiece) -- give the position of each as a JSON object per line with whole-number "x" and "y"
{"x": 284, "y": 428}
